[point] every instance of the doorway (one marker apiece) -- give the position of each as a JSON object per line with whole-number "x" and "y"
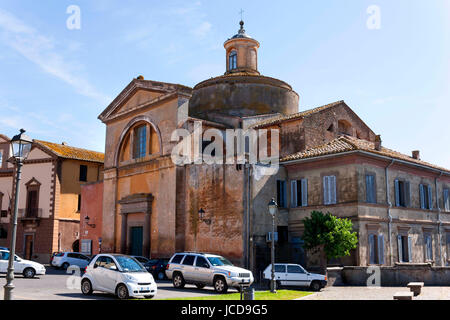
{"x": 136, "y": 241}
{"x": 28, "y": 246}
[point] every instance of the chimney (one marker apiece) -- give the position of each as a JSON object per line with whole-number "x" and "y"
{"x": 378, "y": 142}
{"x": 416, "y": 154}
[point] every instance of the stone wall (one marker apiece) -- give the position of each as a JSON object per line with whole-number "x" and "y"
{"x": 399, "y": 275}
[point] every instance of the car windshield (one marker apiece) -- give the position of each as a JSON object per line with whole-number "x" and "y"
{"x": 129, "y": 264}
{"x": 219, "y": 261}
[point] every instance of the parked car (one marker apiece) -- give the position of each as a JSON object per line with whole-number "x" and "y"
{"x": 204, "y": 269}
{"x": 4, "y": 248}
{"x": 287, "y": 274}
{"x": 66, "y": 259}
{"x": 118, "y": 274}
{"x": 157, "y": 267}
{"x": 26, "y": 267}
{"x": 53, "y": 255}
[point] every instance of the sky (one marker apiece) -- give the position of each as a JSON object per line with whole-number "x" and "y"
{"x": 389, "y": 60}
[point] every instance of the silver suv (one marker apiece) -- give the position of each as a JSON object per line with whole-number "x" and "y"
{"x": 203, "y": 269}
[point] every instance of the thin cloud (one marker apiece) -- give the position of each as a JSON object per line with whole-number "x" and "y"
{"x": 40, "y": 50}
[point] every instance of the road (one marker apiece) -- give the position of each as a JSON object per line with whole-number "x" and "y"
{"x": 58, "y": 285}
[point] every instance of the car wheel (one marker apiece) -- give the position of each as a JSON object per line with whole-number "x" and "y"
{"x": 178, "y": 281}
{"x": 29, "y": 273}
{"x": 122, "y": 292}
{"x": 315, "y": 286}
{"x": 65, "y": 265}
{"x": 220, "y": 285}
{"x": 86, "y": 287}
{"x": 161, "y": 275}
{"x": 200, "y": 285}
{"x": 148, "y": 297}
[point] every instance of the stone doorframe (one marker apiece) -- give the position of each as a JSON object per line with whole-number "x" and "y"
{"x": 136, "y": 203}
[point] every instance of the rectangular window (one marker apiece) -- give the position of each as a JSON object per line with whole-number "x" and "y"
{"x": 281, "y": 193}
{"x": 299, "y": 193}
{"x": 140, "y": 142}
{"x": 404, "y": 248}
{"x": 79, "y": 203}
{"x": 83, "y": 172}
{"x": 448, "y": 248}
{"x": 1, "y": 158}
{"x": 428, "y": 247}
{"x": 329, "y": 190}
{"x": 3, "y": 232}
{"x": 446, "y": 200}
{"x": 189, "y": 260}
{"x": 376, "y": 249}
{"x": 402, "y": 193}
{"x": 426, "y": 197}
{"x": 370, "y": 189}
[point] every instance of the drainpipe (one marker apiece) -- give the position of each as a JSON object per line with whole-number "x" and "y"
{"x": 247, "y": 226}
{"x": 388, "y": 199}
{"x": 439, "y": 219}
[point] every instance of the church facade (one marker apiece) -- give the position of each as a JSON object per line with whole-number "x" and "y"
{"x": 329, "y": 160}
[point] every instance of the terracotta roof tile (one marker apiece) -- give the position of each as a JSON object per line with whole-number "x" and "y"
{"x": 348, "y": 143}
{"x": 299, "y": 115}
{"x": 68, "y": 152}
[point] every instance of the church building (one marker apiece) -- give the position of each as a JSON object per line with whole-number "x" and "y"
{"x": 330, "y": 160}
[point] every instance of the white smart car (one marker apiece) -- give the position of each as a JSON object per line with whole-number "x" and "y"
{"x": 26, "y": 267}
{"x": 118, "y": 274}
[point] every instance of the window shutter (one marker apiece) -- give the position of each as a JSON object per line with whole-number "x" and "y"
{"x": 293, "y": 193}
{"x": 430, "y": 198}
{"x": 397, "y": 193}
{"x": 325, "y": 190}
{"x": 371, "y": 249}
{"x": 380, "y": 249}
{"x": 400, "y": 249}
{"x": 304, "y": 188}
{"x": 409, "y": 249}
{"x": 446, "y": 200}
{"x": 284, "y": 194}
{"x": 333, "y": 189}
{"x": 407, "y": 194}
{"x": 368, "y": 189}
{"x": 422, "y": 196}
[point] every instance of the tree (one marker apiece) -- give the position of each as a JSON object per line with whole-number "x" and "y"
{"x": 332, "y": 234}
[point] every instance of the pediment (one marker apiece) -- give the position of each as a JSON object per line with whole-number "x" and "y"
{"x": 140, "y": 94}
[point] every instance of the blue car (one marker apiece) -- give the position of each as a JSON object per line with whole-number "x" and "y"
{"x": 3, "y": 248}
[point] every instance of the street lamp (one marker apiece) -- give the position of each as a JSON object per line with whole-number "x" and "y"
{"x": 20, "y": 147}
{"x": 273, "y": 210}
{"x": 201, "y": 216}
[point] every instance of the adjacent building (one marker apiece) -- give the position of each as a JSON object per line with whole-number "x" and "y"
{"x": 50, "y": 197}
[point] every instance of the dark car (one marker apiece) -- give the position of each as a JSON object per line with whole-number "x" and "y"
{"x": 156, "y": 267}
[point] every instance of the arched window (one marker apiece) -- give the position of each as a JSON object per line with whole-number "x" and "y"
{"x": 232, "y": 60}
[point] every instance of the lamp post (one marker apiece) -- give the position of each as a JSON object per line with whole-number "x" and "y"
{"x": 20, "y": 147}
{"x": 87, "y": 219}
{"x": 273, "y": 210}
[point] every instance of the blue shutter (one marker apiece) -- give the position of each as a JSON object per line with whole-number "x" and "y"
{"x": 409, "y": 249}
{"x": 400, "y": 248}
{"x": 446, "y": 200}
{"x": 293, "y": 193}
{"x": 397, "y": 193}
{"x": 333, "y": 190}
{"x": 407, "y": 194}
{"x": 422, "y": 196}
{"x": 325, "y": 190}
{"x": 430, "y": 198}
{"x": 380, "y": 249}
{"x": 371, "y": 249}
{"x": 304, "y": 186}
